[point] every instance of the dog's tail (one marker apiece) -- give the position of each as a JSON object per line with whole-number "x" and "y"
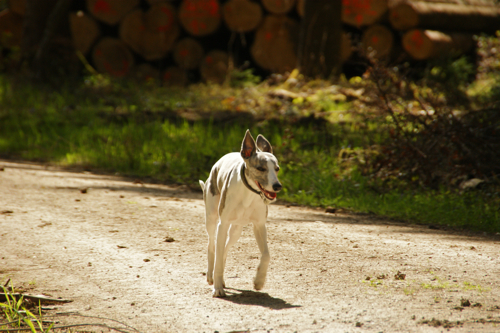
{"x": 202, "y": 184}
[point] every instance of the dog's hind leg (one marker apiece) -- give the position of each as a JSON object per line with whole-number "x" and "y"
{"x": 220, "y": 246}
{"x": 261, "y": 237}
{"x": 211, "y": 219}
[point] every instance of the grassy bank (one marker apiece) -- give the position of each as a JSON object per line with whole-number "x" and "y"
{"x": 170, "y": 135}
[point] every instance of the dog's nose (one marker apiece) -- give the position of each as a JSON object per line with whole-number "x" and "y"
{"x": 277, "y": 187}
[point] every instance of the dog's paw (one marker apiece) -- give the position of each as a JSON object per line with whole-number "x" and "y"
{"x": 218, "y": 292}
{"x": 258, "y": 284}
{"x": 210, "y": 280}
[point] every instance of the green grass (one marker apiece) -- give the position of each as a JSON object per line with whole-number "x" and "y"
{"x": 16, "y": 315}
{"x": 121, "y": 128}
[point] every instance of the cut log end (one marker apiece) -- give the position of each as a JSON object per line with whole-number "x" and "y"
{"x": 188, "y": 53}
{"x": 151, "y": 34}
{"x": 278, "y": 6}
{"x": 377, "y": 41}
{"x": 403, "y": 17}
{"x": 200, "y": 17}
{"x": 242, "y": 15}
{"x": 429, "y": 44}
{"x": 110, "y": 11}
{"x": 11, "y": 28}
{"x": 84, "y": 31}
{"x": 214, "y": 66}
{"x": 363, "y": 12}
{"x": 275, "y": 44}
{"x": 113, "y": 57}
{"x": 445, "y": 16}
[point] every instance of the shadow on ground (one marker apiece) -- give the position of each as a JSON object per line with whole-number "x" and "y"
{"x": 250, "y": 297}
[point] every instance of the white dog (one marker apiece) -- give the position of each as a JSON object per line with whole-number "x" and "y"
{"x": 237, "y": 192}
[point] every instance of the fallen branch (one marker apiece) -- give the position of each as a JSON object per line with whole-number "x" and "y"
{"x": 41, "y": 298}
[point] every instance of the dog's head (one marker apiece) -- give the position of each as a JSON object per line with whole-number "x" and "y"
{"x": 262, "y": 166}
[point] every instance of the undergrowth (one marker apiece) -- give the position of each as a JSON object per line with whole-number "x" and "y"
{"x": 336, "y": 147}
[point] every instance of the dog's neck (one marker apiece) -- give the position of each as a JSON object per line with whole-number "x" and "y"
{"x": 245, "y": 181}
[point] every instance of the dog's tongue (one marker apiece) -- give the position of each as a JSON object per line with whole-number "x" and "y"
{"x": 271, "y": 195}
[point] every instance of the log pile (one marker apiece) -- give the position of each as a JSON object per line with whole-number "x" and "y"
{"x": 178, "y": 41}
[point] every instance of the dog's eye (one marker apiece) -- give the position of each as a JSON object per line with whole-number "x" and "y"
{"x": 261, "y": 169}
{"x": 277, "y": 169}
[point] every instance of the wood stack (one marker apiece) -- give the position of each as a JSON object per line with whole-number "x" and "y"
{"x": 242, "y": 15}
{"x": 433, "y": 29}
{"x": 181, "y": 40}
{"x": 275, "y": 43}
{"x": 150, "y": 33}
{"x": 85, "y": 31}
{"x": 11, "y": 28}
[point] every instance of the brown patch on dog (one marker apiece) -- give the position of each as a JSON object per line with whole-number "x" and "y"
{"x": 214, "y": 190}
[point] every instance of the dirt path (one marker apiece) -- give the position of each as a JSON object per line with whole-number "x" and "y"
{"x": 105, "y": 249}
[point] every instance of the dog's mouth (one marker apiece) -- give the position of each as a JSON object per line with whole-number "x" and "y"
{"x": 268, "y": 194}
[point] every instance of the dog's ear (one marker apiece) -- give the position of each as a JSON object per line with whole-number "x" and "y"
{"x": 248, "y": 147}
{"x": 263, "y": 144}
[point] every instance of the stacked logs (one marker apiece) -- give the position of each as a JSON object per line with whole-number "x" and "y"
{"x": 190, "y": 39}
{"x": 424, "y": 29}
{"x": 11, "y": 24}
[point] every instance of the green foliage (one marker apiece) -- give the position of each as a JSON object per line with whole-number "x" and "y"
{"x": 17, "y": 315}
{"x": 243, "y": 78}
{"x": 134, "y": 131}
{"x": 455, "y": 74}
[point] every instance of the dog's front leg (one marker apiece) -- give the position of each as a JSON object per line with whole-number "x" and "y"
{"x": 261, "y": 237}
{"x": 220, "y": 246}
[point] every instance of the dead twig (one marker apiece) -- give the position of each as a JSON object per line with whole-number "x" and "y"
{"x": 118, "y": 329}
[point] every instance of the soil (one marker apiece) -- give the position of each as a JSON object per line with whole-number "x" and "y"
{"x": 136, "y": 252}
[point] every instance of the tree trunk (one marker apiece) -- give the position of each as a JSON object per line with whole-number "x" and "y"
{"x": 445, "y": 16}
{"x": 46, "y": 45}
{"x": 84, "y": 31}
{"x": 110, "y": 11}
{"x": 37, "y": 13}
{"x": 200, "y": 17}
{"x": 300, "y": 7}
{"x": 275, "y": 44}
{"x": 188, "y": 53}
{"x": 345, "y": 48}
{"x": 361, "y": 13}
{"x": 428, "y": 44}
{"x": 321, "y": 38}
{"x": 113, "y": 57}
{"x": 242, "y": 15}
{"x": 18, "y": 6}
